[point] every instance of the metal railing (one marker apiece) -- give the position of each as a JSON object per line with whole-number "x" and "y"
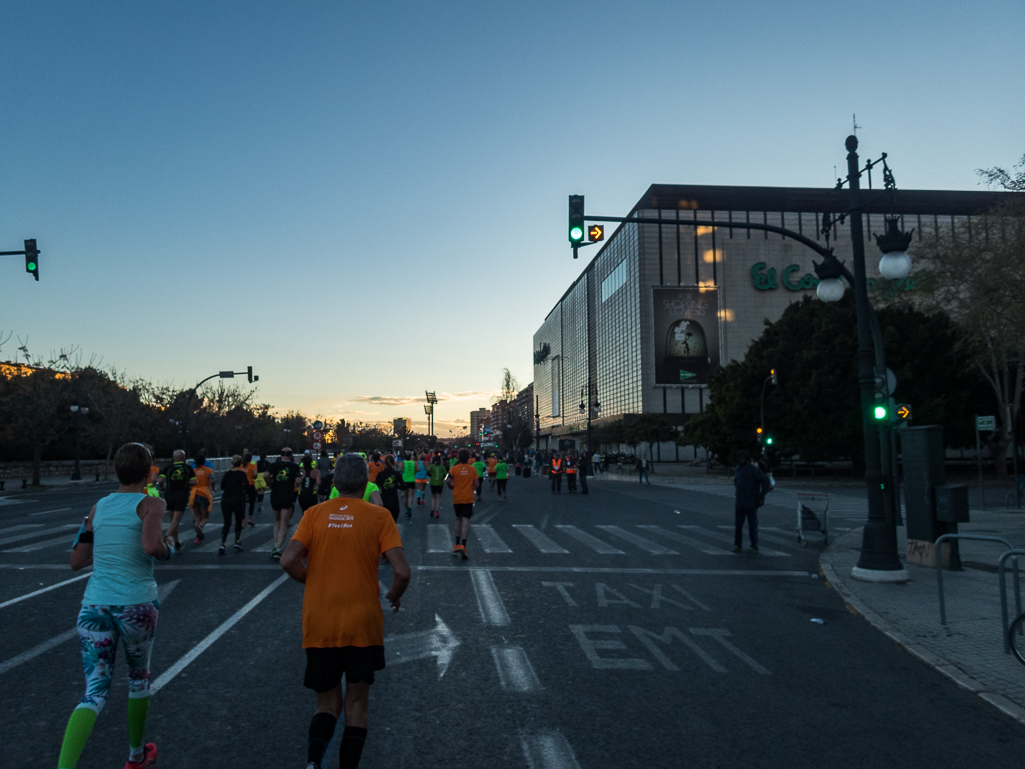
{"x": 939, "y": 571}
{"x": 1003, "y": 592}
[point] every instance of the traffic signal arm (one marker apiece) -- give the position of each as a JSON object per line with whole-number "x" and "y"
{"x": 31, "y": 257}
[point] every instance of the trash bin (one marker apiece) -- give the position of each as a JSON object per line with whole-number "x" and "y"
{"x": 526, "y": 471}
{"x": 519, "y": 469}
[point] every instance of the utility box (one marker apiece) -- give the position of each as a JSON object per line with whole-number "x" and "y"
{"x": 952, "y": 503}
{"x": 924, "y": 475}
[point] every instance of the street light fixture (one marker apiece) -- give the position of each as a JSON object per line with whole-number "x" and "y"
{"x": 895, "y": 264}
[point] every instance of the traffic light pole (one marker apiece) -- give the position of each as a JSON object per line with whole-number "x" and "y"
{"x": 31, "y": 254}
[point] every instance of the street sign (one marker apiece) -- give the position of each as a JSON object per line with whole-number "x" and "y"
{"x": 986, "y": 424}
{"x": 318, "y": 425}
{"x": 396, "y": 444}
{"x": 317, "y": 435}
{"x": 903, "y": 412}
{"x": 316, "y": 445}
{"x": 596, "y": 232}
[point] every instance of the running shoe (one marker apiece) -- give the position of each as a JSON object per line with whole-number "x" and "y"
{"x": 220, "y": 550}
{"x": 200, "y": 536}
{"x": 251, "y": 523}
{"x": 149, "y": 757}
{"x": 455, "y": 549}
{"x": 736, "y": 548}
{"x": 198, "y": 540}
{"x": 462, "y": 552}
{"x": 238, "y": 546}
{"x": 275, "y": 554}
{"x": 409, "y": 513}
{"x": 178, "y": 544}
{"x": 752, "y": 549}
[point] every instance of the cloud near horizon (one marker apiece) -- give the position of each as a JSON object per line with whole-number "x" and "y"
{"x": 388, "y": 400}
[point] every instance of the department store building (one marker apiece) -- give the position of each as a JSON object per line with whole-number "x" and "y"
{"x": 661, "y": 306}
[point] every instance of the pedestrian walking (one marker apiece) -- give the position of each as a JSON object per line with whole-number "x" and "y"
{"x": 502, "y": 479}
{"x": 409, "y": 480}
{"x": 437, "y": 474}
{"x": 234, "y": 487}
{"x": 282, "y": 477}
{"x": 177, "y": 480}
{"x": 309, "y": 483}
{"x": 464, "y": 480}
{"x": 642, "y": 469}
{"x": 120, "y": 538}
{"x": 390, "y": 484}
{"x": 342, "y": 541}
{"x": 751, "y": 487}
{"x": 583, "y": 464}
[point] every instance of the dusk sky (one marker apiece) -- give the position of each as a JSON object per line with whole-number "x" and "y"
{"x": 364, "y": 201}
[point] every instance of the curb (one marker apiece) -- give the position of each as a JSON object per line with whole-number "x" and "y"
{"x": 933, "y": 660}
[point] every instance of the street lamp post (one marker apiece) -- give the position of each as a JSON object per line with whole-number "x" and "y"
{"x": 78, "y": 412}
{"x": 191, "y": 393}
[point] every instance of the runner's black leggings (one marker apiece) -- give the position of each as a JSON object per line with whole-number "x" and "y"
{"x": 251, "y": 498}
{"x": 501, "y": 486}
{"x": 229, "y": 509}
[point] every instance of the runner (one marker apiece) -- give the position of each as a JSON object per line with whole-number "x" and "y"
{"x": 492, "y": 462}
{"x": 571, "y": 473}
{"x": 202, "y": 499}
{"x": 119, "y": 538}
{"x": 502, "y": 477}
{"x": 249, "y": 468}
{"x": 343, "y": 624}
{"x": 463, "y": 479}
{"x": 437, "y": 473}
{"x": 422, "y": 477}
{"x": 234, "y": 488}
{"x": 282, "y": 477}
{"x": 177, "y": 478}
{"x": 309, "y": 482}
{"x": 260, "y": 484}
{"x": 409, "y": 481}
{"x": 481, "y": 469}
{"x": 375, "y": 466}
{"x": 390, "y": 483}
{"x": 326, "y": 475}
{"x": 154, "y": 476}
{"x": 555, "y": 470}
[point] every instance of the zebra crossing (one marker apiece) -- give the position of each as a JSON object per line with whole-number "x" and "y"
{"x": 567, "y": 540}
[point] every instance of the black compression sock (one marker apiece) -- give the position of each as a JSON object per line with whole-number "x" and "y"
{"x": 352, "y": 747}
{"x": 322, "y": 728}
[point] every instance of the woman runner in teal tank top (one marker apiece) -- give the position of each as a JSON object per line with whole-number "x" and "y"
{"x": 119, "y": 538}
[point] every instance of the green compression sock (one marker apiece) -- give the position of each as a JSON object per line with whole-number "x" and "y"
{"x": 75, "y": 736}
{"x": 138, "y": 712}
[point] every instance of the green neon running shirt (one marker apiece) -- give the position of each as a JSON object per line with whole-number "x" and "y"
{"x": 371, "y": 488}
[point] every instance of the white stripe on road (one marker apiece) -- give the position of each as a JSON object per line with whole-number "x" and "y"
{"x": 761, "y": 573}
{"x": 438, "y": 538}
{"x": 34, "y": 593}
{"x": 58, "y": 510}
{"x": 22, "y": 526}
{"x": 719, "y": 635}
{"x": 704, "y": 547}
{"x": 645, "y": 544}
{"x": 162, "y": 592}
{"x": 168, "y": 675}
{"x": 770, "y": 538}
{"x": 514, "y": 669}
{"x": 594, "y": 543}
{"x": 539, "y": 540}
{"x": 727, "y": 538}
{"x": 489, "y": 601}
{"x": 64, "y": 539}
{"x": 34, "y": 534}
{"x": 489, "y": 540}
{"x": 548, "y": 750}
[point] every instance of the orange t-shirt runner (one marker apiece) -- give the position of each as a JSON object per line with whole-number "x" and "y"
{"x": 202, "y": 486}
{"x": 344, "y": 538}
{"x": 463, "y": 476}
{"x": 491, "y": 465}
{"x": 374, "y": 468}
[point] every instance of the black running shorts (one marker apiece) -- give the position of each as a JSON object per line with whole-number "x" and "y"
{"x": 437, "y": 489}
{"x": 177, "y": 501}
{"x": 282, "y": 500}
{"x": 463, "y": 511}
{"x": 324, "y": 667}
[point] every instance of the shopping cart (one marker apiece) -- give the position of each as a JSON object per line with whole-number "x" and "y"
{"x": 812, "y": 517}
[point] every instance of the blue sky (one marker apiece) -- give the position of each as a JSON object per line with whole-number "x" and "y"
{"x": 366, "y": 200}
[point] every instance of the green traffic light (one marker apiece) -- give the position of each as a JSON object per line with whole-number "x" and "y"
{"x": 30, "y": 267}
{"x": 880, "y": 412}
{"x": 768, "y": 441}
{"x": 576, "y": 233}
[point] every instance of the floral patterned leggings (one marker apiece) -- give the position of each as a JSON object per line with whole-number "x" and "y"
{"x": 100, "y": 629}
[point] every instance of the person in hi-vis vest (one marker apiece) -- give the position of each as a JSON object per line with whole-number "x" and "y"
{"x": 556, "y": 472}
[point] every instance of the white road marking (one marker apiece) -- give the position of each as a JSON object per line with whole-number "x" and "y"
{"x": 704, "y": 547}
{"x": 515, "y": 672}
{"x": 439, "y": 538}
{"x": 727, "y": 538}
{"x": 648, "y": 638}
{"x": 539, "y": 540}
{"x": 561, "y": 587}
{"x": 440, "y": 642}
{"x": 719, "y": 635}
{"x": 42, "y": 590}
{"x": 58, "y": 510}
{"x": 489, "y": 540}
{"x": 162, "y": 592}
{"x": 691, "y": 598}
{"x": 594, "y": 543}
{"x": 611, "y": 570}
{"x": 34, "y": 534}
{"x": 489, "y": 601}
{"x": 548, "y": 750}
{"x": 644, "y": 544}
{"x": 770, "y": 538}
{"x": 21, "y": 526}
{"x": 168, "y": 675}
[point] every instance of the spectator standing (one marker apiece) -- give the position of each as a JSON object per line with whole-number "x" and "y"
{"x": 751, "y": 487}
{"x": 642, "y": 469}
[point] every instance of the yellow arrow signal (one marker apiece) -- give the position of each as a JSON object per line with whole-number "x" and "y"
{"x": 904, "y": 412}
{"x": 596, "y": 233}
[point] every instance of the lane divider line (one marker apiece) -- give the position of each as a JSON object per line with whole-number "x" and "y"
{"x": 515, "y": 672}
{"x": 548, "y": 750}
{"x": 42, "y": 590}
{"x": 489, "y": 601}
{"x": 59, "y": 510}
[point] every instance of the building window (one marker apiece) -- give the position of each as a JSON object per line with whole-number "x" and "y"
{"x": 614, "y": 281}
{"x": 556, "y": 371}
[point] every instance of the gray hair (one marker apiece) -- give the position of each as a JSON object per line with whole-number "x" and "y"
{"x": 351, "y": 474}
{"x": 178, "y": 455}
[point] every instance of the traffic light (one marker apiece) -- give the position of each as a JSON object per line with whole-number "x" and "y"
{"x": 882, "y": 396}
{"x": 775, "y": 379}
{"x": 576, "y": 218}
{"x": 249, "y": 373}
{"x": 32, "y": 258}
{"x": 768, "y": 440}
{"x": 760, "y": 436}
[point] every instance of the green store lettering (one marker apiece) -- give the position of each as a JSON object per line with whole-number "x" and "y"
{"x": 766, "y": 280}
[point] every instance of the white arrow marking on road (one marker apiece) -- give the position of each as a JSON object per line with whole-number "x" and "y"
{"x": 162, "y": 592}
{"x": 439, "y": 642}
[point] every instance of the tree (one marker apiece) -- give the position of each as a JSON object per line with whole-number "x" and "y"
{"x": 998, "y": 177}
{"x": 650, "y": 429}
{"x": 116, "y": 409}
{"x": 974, "y": 272}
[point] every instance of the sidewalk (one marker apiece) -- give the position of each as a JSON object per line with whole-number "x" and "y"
{"x": 969, "y": 649}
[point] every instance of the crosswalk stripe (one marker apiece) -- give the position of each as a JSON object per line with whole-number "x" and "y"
{"x": 770, "y": 538}
{"x": 34, "y": 534}
{"x": 438, "y": 538}
{"x": 489, "y": 540}
{"x": 644, "y": 544}
{"x": 64, "y": 539}
{"x": 727, "y": 538}
{"x": 21, "y": 526}
{"x": 268, "y": 546}
{"x": 704, "y": 547}
{"x": 594, "y": 543}
{"x": 538, "y": 539}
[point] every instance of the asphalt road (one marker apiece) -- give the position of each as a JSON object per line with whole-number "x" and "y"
{"x": 607, "y": 630}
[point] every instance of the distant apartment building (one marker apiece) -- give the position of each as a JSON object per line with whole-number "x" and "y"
{"x": 477, "y": 421}
{"x": 402, "y": 426}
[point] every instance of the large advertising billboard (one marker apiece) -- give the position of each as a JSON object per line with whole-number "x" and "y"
{"x": 686, "y": 334}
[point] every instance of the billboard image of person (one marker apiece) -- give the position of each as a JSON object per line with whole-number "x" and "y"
{"x": 686, "y": 334}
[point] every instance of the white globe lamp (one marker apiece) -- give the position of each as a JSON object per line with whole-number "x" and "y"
{"x": 895, "y": 264}
{"x": 830, "y": 290}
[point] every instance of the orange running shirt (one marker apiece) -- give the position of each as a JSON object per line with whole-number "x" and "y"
{"x": 251, "y": 473}
{"x": 344, "y": 540}
{"x": 203, "y": 479}
{"x": 491, "y": 465}
{"x": 374, "y": 468}
{"x": 463, "y": 476}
